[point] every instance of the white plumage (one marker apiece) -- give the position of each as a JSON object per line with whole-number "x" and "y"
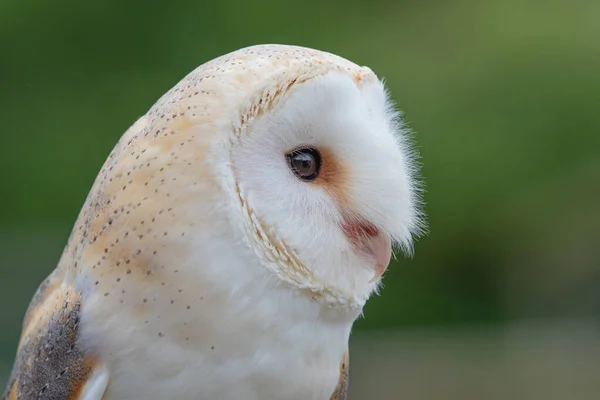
{"x": 233, "y": 236}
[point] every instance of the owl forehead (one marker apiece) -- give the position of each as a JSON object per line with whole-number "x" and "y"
{"x": 234, "y": 89}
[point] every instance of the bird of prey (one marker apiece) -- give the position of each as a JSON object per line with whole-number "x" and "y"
{"x": 230, "y": 240}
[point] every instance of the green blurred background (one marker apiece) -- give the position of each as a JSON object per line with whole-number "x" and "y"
{"x": 502, "y": 297}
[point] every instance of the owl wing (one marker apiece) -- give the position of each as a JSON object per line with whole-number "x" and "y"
{"x": 341, "y": 391}
{"x": 50, "y": 364}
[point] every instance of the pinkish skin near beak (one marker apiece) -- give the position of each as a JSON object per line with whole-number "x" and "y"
{"x": 371, "y": 244}
{"x": 380, "y": 248}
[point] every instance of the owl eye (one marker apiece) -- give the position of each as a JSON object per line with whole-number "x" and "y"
{"x": 305, "y": 163}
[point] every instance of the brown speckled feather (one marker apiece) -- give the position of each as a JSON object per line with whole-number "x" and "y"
{"x": 49, "y": 364}
{"x": 341, "y": 391}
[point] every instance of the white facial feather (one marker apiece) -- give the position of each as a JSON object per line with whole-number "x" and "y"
{"x": 356, "y": 126}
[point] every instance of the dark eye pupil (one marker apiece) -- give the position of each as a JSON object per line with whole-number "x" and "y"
{"x": 305, "y": 163}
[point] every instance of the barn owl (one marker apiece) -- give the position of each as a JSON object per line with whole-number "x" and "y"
{"x": 230, "y": 240}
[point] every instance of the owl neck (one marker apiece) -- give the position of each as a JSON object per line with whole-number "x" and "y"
{"x": 237, "y": 274}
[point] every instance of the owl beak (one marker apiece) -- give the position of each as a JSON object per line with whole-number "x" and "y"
{"x": 380, "y": 247}
{"x": 371, "y": 244}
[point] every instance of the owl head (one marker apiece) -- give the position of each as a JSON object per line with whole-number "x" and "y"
{"x": 289, "y": 161}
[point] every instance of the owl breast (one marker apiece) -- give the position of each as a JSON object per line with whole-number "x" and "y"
{"x": 250, "y": 340}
